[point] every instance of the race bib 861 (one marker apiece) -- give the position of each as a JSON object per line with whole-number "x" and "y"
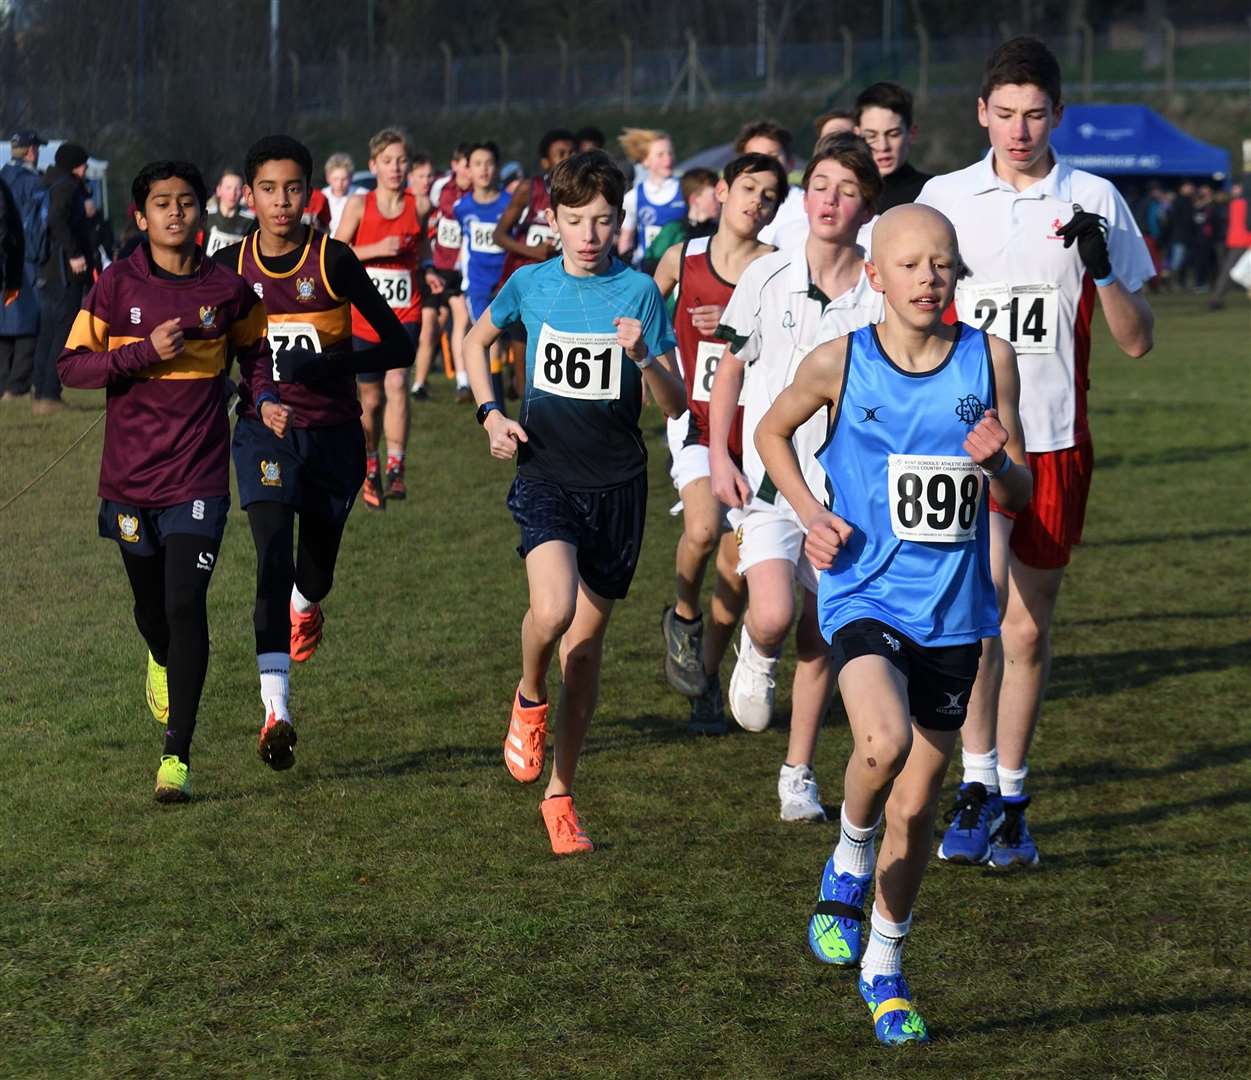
{"x": 582, "y": 366}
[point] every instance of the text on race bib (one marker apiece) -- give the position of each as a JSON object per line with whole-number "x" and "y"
{"x": 482, "y": 238}
{"x": 217, "y": 239}
{"x": 448, "y": 233}
{"x": 394, "y": 285}
{"x": 1025, "y": 316}
{"x": 582, "y": 366}
{"x": 541, "y": 234}
{"x": 706, "y": 361}
{"x": 650, "y": 232}
{"x": 291, "y": 335}
{"x": 933, "y": 499}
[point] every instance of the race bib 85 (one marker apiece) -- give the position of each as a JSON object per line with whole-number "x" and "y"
{"x": 933, "y": 499}
{"x": 706, "y": 360}
{"x": 394, "y": 285}
{"x": 448, "y": 233}
{"x": 1025, "y": 316}
{"x": 582, "y": 366}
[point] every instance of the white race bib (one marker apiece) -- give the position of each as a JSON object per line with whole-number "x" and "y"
{"x": 933, "y": 499}
{"x": 540, "y": 234}
{"x": 448, "y": 233}
{"x": 706, "y": 360}
{"x": 482, "y": 238}
{"x": 1025, "y": 316}
{"x": 394, "y": 285}
{"x": 583, "y": 366}
{"x": 217, "y": 239}
{"x": 291, "y": 335}
{"x": 650, "y": 232}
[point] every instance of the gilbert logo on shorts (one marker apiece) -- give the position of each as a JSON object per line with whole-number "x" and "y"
{"x": 953, "y": 706}
{"x": 128, "y": 528}
{"x": 208, "y": 316}
{"x": 305, "y": 289}
{"x": 271, "y": 474}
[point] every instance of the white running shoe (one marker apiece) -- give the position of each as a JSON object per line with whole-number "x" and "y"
{"x": 799, "y": 794}
{"x": 751, "y": 686}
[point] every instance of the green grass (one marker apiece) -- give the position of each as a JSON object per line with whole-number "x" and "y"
{"x": 390, "y": 907}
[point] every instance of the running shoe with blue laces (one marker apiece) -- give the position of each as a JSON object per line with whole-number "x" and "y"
{"x": 835, "y": 927}
{"x": 974, "y": 818}
{"x": 895, "y": 1019}
{"x": 1012, "y": 844}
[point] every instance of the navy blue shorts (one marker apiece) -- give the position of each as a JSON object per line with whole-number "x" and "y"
{"x": 940, "y": 677}
{"x": 413, "y": 330}
{"x": 142, "y": 530}
{"x": 605, "y": 526}
{"x": 318, "y": 470}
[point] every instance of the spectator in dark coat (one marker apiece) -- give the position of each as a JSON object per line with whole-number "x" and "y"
{"x": 19, "y": 320}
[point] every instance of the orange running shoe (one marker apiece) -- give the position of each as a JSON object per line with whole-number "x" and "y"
{"x": 563, "y": 827}
{"x": 306, "y": 630}
{"x": 526, "y": 741}
{"x": 372, "y": 492}
{"x": 276, "y": 743}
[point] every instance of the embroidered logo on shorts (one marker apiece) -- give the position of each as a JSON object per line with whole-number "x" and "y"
{"x": 208, "y": 317}
{"x": 738, "y": 536}
{"x": 970, "y": 409}
{"x": 271, "y": 474}
{"x": 128, "y": 528}
{"x": 953, "y": 706}
{"x": 305, "y": 289}
{"x": 892, "y": 641}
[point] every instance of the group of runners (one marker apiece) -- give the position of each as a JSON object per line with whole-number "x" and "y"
{"x": 877, "y": 399}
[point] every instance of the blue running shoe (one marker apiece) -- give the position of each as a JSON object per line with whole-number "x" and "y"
{"x": 1013, "y": 845}
{"x": 895, "y": 1020}
{"x": 974, "y": 819}
{"x": 834, "y": 929}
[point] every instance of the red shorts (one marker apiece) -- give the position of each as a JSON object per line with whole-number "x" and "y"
{"x": 1043, "y": 534}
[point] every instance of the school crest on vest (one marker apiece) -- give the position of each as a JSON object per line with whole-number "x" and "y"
{"x": 128, "y": 528}
{"x": 208, "y": 317}
{"x": 305, "y": 289}
{"x": 970, "y": 409}
{"x": 271, "y": 473}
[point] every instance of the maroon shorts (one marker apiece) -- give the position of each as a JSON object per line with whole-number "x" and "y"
{"x": 1044, "y": 533}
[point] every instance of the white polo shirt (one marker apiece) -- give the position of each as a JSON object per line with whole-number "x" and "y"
{"x": 775, "y": 317}
{"x": 1026, "y": 287}
{"x": 791, "y": 210}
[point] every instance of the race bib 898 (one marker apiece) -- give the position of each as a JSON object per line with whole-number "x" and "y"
{"x": 582, "y": 366}
{"x": 933, "y": 499}
{"x": 1025, "y": 316}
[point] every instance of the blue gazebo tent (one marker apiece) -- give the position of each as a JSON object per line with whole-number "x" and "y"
{"x": 1133, "y": 140}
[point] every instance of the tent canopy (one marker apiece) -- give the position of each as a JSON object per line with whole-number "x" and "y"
{"x": 1132, "y": 140}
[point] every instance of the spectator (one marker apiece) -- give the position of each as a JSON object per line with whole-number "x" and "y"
{"x": 19, "y": 321}
{"x": 1237, "y": 242}
{"x": 1181, "y": 234}
{"x": 65, "y": 273}
{"x": 1203, "y": 246}
{"x": 339, "y": 187}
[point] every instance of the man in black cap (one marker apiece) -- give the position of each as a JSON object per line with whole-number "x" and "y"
{"x": 65, "y": 273}
{"x": 19, "y": 320}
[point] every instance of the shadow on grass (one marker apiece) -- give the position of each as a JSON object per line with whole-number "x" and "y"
{"x": 1178, "y": 455}
{"x": 1112, "y": 673}
{"x": 1144, "y": 815}
{"x": 1110, "y": 769}
{"x": 1070, "y": 1016}
{"x": 1169, "y": 538}
{"x": 1163, "y": 616}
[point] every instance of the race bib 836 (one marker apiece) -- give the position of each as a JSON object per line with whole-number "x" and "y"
{"x": 394, "y": 285}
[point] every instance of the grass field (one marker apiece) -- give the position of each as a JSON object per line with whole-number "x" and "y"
{"x": 390, "y": 905}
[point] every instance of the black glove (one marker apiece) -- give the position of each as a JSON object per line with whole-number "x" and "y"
{"x": 301, "y": 366}
{"x": 1090, "y": 231}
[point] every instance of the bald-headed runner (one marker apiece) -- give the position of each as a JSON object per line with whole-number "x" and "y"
{"x": 923, "y": 423}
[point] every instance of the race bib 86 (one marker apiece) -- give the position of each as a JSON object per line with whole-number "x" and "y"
{"x": 582, "y": 366}
{"x": 482, "y": 238}
{"x": 933, "y": 499}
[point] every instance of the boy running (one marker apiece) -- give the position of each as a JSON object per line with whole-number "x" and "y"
{"x": 783, "y": 306}
{"x": 522, "y": 230}
{"x": 906, "y": 593}
{"x": 385, "y": 233}
{"x": 225, "y": 225}
{"x": 1040, "y": 241}
{"x": 309, "y": 284}
{"x": 154, "y": 332}
{"x": 703, "y": 272}
{"x": 445, "y": 288}
{"x": 596, "y": 331}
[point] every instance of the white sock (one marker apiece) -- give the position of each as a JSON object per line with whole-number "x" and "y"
{"x": 981, "y": 769}
{"x": 884, "y": 953}
{"x": 275, "y": 668}
{"x": 1012, "y": 781}
{"x": 462, "y": 381}
{"x": 750, "y": 647}
{"x": 300, "y": 602}
{"x": 854, "y": 853}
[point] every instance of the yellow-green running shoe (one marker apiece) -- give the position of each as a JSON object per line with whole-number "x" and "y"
{"x": 157, "y": 690}
{"x": 173, "y": 780}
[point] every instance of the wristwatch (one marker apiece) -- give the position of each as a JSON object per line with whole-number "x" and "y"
{"x": 485, "y": 410}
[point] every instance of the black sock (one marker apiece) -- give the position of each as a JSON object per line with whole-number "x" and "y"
{"x": 526, "y": 703}
{"x": 189, "y": 562}
{"x": 697, "y": 621}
